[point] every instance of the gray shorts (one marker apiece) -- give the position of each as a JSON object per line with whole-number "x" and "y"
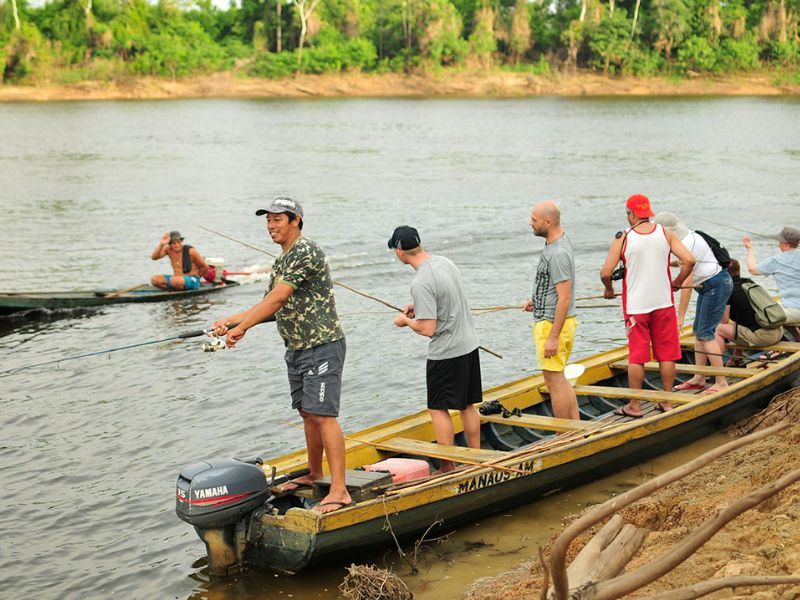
{"x": 315, "y": 378}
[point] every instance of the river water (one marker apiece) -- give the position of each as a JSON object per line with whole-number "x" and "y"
{"x": 90, "y": 448}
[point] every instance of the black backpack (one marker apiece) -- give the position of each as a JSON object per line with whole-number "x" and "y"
{"x": 720, "y": 252}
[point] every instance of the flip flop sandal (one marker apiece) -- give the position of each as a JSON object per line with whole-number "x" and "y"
{"x": 624, "y": 413}
{"x": 685, "y": 387}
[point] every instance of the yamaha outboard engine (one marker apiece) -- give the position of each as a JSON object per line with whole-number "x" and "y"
{"x": 216, "y": 496}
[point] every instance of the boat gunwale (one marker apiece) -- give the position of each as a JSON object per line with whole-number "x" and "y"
{"x": 582, "y": 447}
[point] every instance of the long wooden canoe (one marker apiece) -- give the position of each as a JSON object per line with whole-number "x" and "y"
{"x": 521, "y": 459}
{"x": 13, "y": 302}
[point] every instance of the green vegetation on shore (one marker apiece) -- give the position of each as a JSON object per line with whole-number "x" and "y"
{"x": 64, "y": 41}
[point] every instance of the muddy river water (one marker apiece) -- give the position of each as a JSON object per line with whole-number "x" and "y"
{"x": 90, "y": 449}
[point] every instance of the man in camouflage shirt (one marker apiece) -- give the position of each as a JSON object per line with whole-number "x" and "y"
{"x": 300, "y": 299}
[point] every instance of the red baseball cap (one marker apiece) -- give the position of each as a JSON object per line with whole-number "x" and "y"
{"x": 639, "y": 205}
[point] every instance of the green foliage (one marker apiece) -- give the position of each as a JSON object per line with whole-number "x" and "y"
{"x": 783, "y": 53}
{"x": 541, "y": 67}
{"x": 60, "y": 41}
{"x": 645, "y": 62}
{"x": 739, "y": 55}
{"x": 330, "y": 58}
{"x": 27, "y": 51}
{"x": 609, "y": 42}
{"x": 696, "y": 54}
{"x": 670, "y": 22}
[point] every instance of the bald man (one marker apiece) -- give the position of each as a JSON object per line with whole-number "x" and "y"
{"x": 553, "y": 307}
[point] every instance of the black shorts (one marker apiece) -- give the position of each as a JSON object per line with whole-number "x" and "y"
{"x": 454, "y": 383}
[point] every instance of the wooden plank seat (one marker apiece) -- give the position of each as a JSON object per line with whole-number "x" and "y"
{"x": 694, "y": 369}
{"x": 779, "y": 347}
{"x": 649, "y": 395}
{"x": 433, "y": 450}
{"x": 538, "y": 422}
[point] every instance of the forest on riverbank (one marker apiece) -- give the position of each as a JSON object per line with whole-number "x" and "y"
{"x": 66, "y": 41}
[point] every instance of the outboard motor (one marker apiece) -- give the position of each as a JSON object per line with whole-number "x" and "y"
{"x": 216, "y": 496}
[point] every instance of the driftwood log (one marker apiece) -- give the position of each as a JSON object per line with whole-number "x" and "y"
{"x": 595, "y": 574}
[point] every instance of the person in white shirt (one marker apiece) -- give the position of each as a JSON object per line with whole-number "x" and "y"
{"x": 714, "y": 286}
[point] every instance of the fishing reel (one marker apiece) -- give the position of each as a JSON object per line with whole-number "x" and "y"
{"x": 213, "y": 345}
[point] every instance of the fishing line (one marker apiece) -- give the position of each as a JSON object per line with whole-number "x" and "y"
{"x": 181, "y": 336}
{"x": 339, "y": 283}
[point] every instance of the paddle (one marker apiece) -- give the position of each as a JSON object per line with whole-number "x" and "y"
{"x": 120, "y": 292}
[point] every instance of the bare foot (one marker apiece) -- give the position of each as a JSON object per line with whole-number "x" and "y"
{"x": 306, "y": 481}
{"x": 330, "y": 503}
{"x": 717, "y": 387}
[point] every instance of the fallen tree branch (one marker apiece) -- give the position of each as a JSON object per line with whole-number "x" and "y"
{"x": 638, "y": 578}
{"x": 707, "y": 587}
{"x": 561, "y": 545}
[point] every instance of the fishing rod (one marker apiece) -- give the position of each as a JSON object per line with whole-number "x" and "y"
{"x": 181, "y": 336}
{"x": 339, "y": 283}
{"x": 764, "y": 235}
{"x": 489, "y": 309}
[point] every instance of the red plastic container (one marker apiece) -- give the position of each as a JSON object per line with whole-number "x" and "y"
{"x": 402, "y": 469}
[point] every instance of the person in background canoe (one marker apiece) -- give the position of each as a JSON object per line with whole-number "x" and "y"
{"x": 440, "y": 312}
{"x": 300, "y": 298}
{"x": 714, "y": 286}
{"x": 188, "y": 265}
{"x": 647, "y": 301}
{"x": 785, "y": 268}
{"x": 739, "y": 324}
{"x": 553, "y": 307}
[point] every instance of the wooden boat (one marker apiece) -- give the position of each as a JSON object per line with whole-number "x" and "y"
{"x": 521, "y": 460}
{"x": 13, "y": 302}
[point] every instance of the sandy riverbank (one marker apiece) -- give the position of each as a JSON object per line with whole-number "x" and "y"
{"x": 445, "y": 83}
{"x": 762, "y": 541}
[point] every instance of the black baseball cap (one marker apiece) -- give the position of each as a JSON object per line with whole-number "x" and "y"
{"x": 404, "y": 237}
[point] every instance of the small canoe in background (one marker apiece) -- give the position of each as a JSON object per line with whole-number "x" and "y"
{"x": 14, "y": 302}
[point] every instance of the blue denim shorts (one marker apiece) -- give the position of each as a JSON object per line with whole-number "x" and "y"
{"x": 712, "y": 297}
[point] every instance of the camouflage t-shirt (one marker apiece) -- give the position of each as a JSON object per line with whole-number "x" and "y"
{"x": 309, "y": 317}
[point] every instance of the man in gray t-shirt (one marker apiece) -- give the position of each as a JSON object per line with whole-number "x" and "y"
{"x": 441, "y": 313}
{"x": 553, "y": 307}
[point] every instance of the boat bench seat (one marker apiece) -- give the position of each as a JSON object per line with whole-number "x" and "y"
{"x": 779, "y": 347}
{"x": 694, "y": 369}
{"x": 649, "y": 395}
{"x": 537, "y": 422}
{"x": 440, "y": 451}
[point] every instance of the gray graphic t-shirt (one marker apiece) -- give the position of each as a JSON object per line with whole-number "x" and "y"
{"x": 438, "y": 293}
{"x": 556, "y": 265}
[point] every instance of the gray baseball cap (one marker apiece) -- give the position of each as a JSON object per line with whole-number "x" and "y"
{"x": 789, "y": 235}
{"x": 281, "y": 204}
{"x": 175, "y": 236}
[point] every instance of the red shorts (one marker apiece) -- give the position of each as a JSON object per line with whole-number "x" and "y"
{"x": 659, "y": 328}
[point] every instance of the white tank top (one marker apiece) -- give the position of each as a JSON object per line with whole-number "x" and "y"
{"x": 647, "y": 285}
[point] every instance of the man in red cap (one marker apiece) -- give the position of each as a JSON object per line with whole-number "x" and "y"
{"x": 647, "y": 301}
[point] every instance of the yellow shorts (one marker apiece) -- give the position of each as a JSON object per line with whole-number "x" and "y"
{"x": 565, "y": 342}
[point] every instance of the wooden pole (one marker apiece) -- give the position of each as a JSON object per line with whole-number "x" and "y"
{"x": 124, "y": 291}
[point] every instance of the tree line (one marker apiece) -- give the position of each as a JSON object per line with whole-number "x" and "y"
{"x": 71, "y": 40}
